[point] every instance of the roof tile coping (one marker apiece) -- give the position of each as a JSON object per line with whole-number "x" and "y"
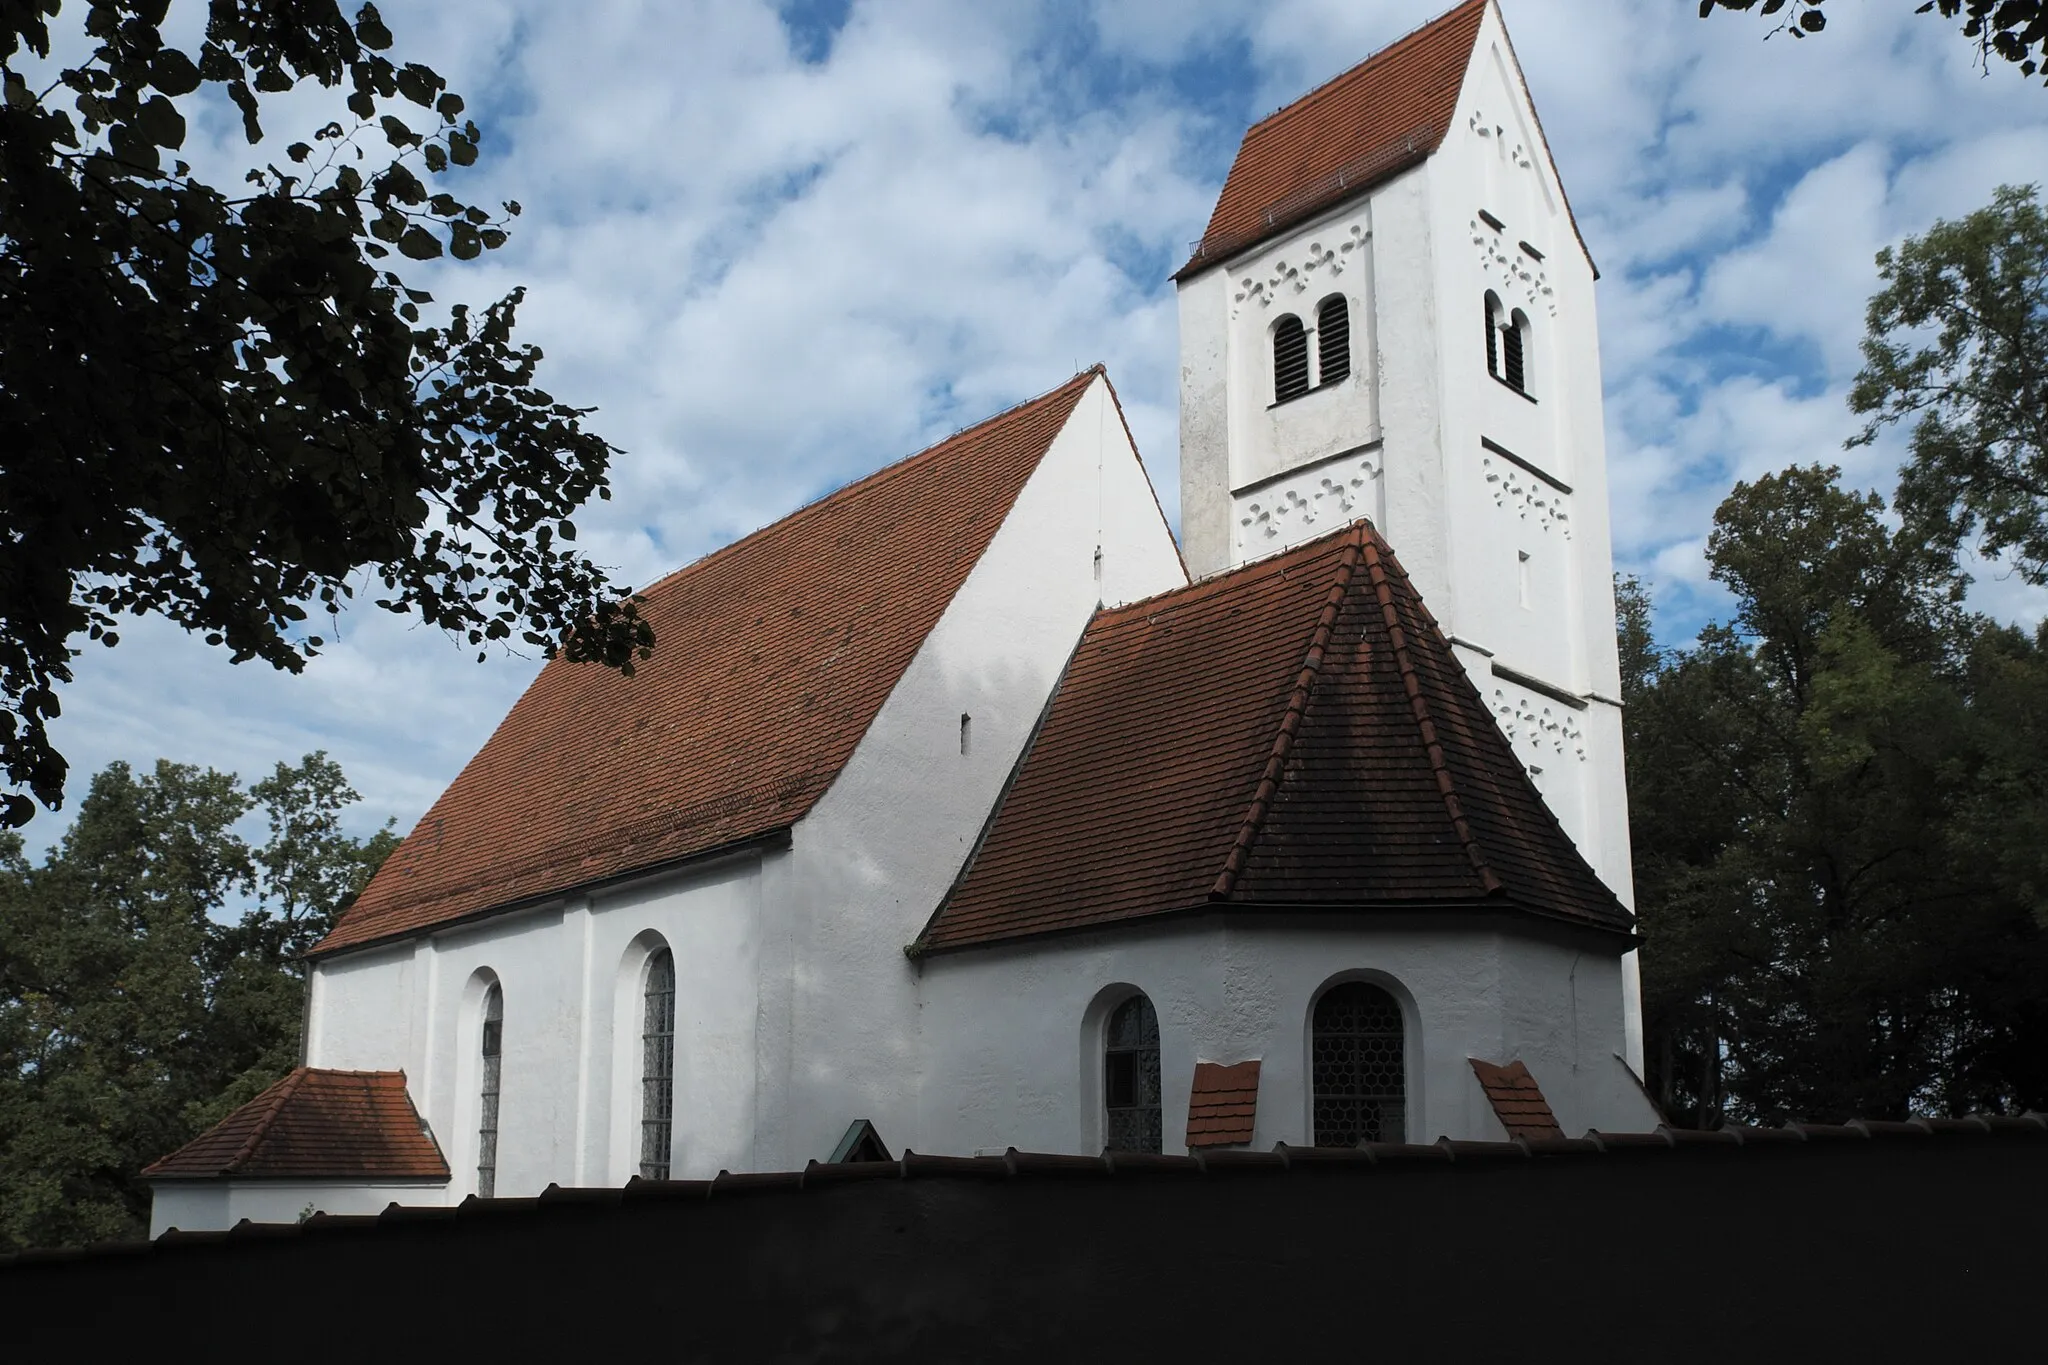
{"x": 1223, "y": 1104}
{"x": 1517, "y": 1100}
{"x": 2031, "y": 1127}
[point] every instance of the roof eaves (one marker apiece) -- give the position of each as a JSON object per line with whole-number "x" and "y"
{"x": 1418, "y": 706}
{"x": 767, "y": 841}
{"x": 1290, "y": 725}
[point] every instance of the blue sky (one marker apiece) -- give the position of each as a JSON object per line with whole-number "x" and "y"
{"x": 778, "y": 246}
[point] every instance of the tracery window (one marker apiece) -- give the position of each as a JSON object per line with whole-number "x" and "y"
{"x": 658, "y": 1066}
{"x": 1358, "y": 1067}
{"x": 487, "y": 1121}
{"x": 1130, "y": 1078}
{"x": 1333, "y": 340}
{"x": 1290, "y": 359}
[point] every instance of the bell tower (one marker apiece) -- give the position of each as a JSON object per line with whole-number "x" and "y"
{"x": 1391, "y": 316}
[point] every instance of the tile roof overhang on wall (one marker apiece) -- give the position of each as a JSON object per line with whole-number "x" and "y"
{"x": 772, "y": 657}
{"x": 1295, "y": 735}
{"x": 315, "y": 1125}
{"x": 1384, "y": 115}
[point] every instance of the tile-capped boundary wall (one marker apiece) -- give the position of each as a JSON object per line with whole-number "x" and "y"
{"x": 1885, "y": 1239}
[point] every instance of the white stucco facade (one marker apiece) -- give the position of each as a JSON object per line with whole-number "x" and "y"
{"x": 797, "y": 1008}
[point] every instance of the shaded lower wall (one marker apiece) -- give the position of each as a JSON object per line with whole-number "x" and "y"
{"x": 1816, "y": 1248}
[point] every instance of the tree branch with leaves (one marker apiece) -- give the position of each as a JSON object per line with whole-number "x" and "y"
{"x": 231, "y": 409}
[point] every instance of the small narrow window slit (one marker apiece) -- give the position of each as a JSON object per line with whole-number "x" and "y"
{"x": 966, "y": 732}
{"x": 1522, "y": 576}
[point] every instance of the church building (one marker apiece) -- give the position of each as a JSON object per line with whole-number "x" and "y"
{"x": 965, "y": 810}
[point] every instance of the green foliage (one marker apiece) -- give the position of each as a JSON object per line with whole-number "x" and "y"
{"x": 131, "y": 1018}
{"x": 1958, "y": 344}
{"x": 1836, "y": 805}
{"x": 225, "y": 405}
{"x": 2016, "y": 30}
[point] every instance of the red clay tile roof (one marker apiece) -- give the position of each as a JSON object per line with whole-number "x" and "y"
{"x": 772, "y": 657}
{"x": 1223, "y": 1104}
{"x": 1295, "y": 733}
{"x": 1377, "y": 119}
{"x": 1516, "y": 1101}
{"x": 312, "y": 1125}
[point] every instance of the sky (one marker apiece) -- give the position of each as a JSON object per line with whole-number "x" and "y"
{"x": 779, "y": 245}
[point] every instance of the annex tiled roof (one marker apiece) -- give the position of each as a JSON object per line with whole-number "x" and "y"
{"x": 1516, "y": 1100}
{"x": 1377, "y": 119}
{"x": 772, "y": 657}
{"x": 315, "y": 1124}
{"x": 1223, "y": 1105}
{"x": 1294, "y": 734}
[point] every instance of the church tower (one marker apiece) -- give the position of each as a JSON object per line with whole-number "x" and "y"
{"x": 1391, "y": 317}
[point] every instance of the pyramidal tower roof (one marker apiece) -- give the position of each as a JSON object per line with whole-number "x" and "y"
{"x": 1292, "y": 735}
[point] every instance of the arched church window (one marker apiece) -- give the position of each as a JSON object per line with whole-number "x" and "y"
{"x": 1130, "y": 1078}
{"x": 1493, "y": 321}
{"x": 1358, "y": 1067}
{"x": 1514, "y": 351}
{"x": 658, "y": 1066}
{"x": 1290, "y": 359}
{"x": 487, "y": 1121}
{"x": 1333, "y": 340}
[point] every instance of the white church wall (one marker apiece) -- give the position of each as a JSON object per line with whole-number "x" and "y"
{"x": 216, "y": 1205}
{"x": 1499, "y": 511}
{"x": 1014, "y": 1032}
{"x": 841, "y": 1032}
{"x": 570, "y": 1080}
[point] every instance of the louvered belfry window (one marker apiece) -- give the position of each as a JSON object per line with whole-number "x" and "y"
{"x": 658, "y": 1067}
{"x": 1290, "y": 359}
{"x": 1130, "y": 1078}
{"x": 1359, "y": 1071}
{"x": 1513, "y": 362}
{"x": 1333, "y": 340}
{"x": 487, "y": 1121}
{"x": 1493, "y": 336}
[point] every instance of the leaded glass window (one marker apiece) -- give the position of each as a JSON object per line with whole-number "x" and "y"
{"x": 658, "y": 1067}
{"x": 1359, "y": 1071}
{"x": 1130, "y": 1078}
{"x": 487, "y": 1122}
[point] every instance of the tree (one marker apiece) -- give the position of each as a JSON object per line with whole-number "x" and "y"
{"x": 1977, "y": 391}
{"x": 226, "y": 406}
{"x": 2016, "y": 30}
{"x": 1830, "y": 800}
{"x": 133, "y": 1015}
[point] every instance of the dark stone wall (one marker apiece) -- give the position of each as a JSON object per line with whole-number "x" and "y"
{"x": 1826, "y": 1248}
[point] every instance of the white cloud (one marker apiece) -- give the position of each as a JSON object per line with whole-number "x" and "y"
{"x": 771, "y": 276}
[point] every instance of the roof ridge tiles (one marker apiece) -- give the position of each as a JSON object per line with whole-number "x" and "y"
{"x": 1290, "y": 722}
{"x": 279, "y": 1095}
{"x": 1376, "y": 571}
